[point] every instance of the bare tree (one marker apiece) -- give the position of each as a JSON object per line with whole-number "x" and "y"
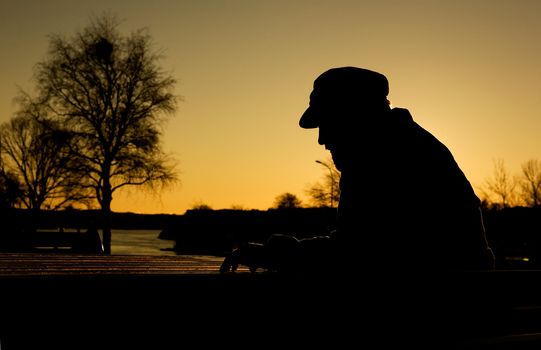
{"x": 530, "y": 182}
{"x": 36, "y": 154}
{"x": 326, "y": 193}
{"x": 287, "y": 201}
{"x": 200, "y": 205}
{"x": 11, "y": 190}
{"x": 110, "y": 93}
{"x": 500, "y": 189}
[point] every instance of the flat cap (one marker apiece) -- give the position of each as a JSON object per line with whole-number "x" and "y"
{"x": 343, "y": 84}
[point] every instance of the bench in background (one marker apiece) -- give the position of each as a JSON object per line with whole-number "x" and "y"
{"x": 80, "y": 242}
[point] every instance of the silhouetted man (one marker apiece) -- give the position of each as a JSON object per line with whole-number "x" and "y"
{"x": 406, "y": 213}
{"x": 404, "y": 202}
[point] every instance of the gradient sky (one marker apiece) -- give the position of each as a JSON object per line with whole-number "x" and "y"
{"x": 468, "y": 70}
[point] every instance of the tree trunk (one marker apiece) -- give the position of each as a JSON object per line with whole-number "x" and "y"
{"x": 35, "y": 217}
{"x": 106, "y": 228}
{"x": 106, "y": 216}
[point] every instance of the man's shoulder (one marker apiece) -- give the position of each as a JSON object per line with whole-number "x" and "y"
{"x": 405, "y": 119}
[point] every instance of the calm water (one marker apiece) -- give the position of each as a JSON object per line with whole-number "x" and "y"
{"x": 140, "y": 242}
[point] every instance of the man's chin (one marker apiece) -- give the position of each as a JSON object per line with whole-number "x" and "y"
{"x": 337, "y": 162}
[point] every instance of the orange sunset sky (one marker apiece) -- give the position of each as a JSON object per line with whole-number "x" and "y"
{"x": 468, "y": 70}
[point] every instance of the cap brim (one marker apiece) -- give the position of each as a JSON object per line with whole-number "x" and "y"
{"x": 309, "y": 119}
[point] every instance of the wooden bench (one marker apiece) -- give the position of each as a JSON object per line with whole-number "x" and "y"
{"x": 60, "y": 241}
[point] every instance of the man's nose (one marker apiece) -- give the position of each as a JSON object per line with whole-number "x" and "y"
{"x": 321, "y": 141}
{"x": 322, "y": 137}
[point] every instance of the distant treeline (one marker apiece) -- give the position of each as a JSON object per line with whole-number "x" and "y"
{"x": 515, "y": 236}
{"x": 23, "y": 219}
{"x": 513, "y": 233}
{"x": 218, "y": 231}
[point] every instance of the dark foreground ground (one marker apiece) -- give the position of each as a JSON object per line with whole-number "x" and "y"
{"x": 51, "y": 301}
